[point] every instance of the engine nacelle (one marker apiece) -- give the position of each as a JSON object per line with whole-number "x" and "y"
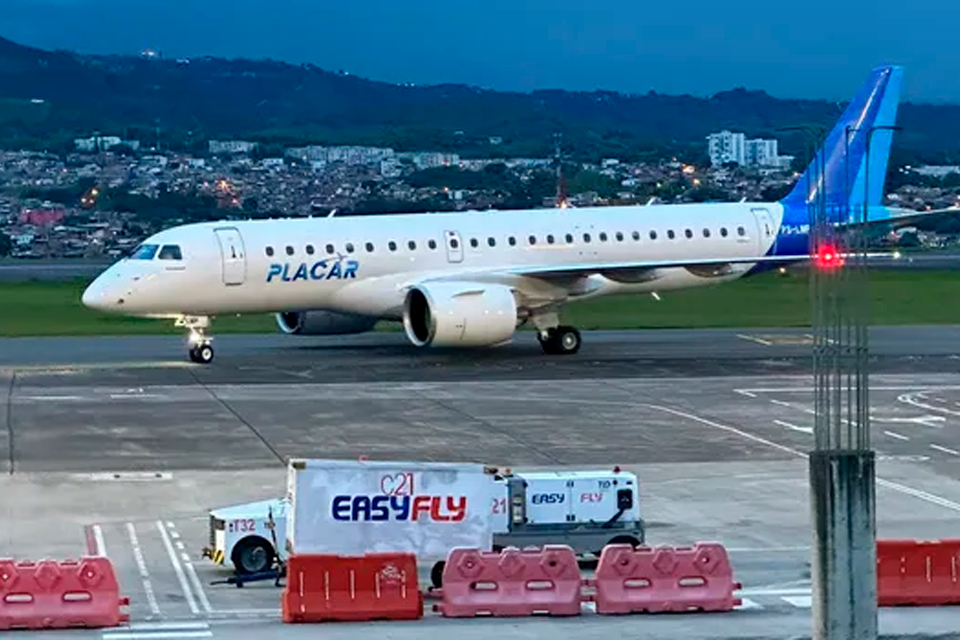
{"x": 459, "y": 314}
{"x": 323, "y": 323}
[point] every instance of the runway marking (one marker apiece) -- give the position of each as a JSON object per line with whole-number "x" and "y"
{"x": 128, "y": 476}
{"x": 794, "y": 427}
{"x": 191, "y": 602}
{"x": 745, "y": 393}
{"x": 780, "y": 402}
{"x": 945, "y": 450}
{"x": 160, "y": 631}
{"x": 192, "y": 574}
{"x": 50, "y": 398}
{"x": 896, "y": 435}
{"x": 756, "y": 339}
{"x": 889, "y": 484}
{"x": 910, "y": 398}
{"x": 802, "y": 602}
{"x": 142, "y": 566}
{"x": 921, "y": 388}
{"x": 101, "y": 544}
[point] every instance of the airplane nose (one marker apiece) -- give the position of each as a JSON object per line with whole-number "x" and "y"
{"x": 94, "y": 296}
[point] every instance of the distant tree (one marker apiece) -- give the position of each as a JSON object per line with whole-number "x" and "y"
{"x": 6, "y": 245}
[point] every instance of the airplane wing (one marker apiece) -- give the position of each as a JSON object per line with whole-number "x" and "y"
{"x": 905, "y": 218}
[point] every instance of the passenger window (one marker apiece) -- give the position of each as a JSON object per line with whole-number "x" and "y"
{"x": 550, "y": 239}
{"x": 491, "y": 242}
{"x": 512, "y": 241}
{"x": 741, "y": 231}
{"x": 289, "y": 250}
{"x": 706, "y": 232}
{"x": 603, "y": 237}
{"x": 310, "y": 249}
{"x": 349, "y": 247}
{"x": 636, "y": 235}
{"x": 269, "y": 251}
{"x": 432, "y": 244}
{"x": 392, "y": 245}
{"x": 369, "y": 247}
{"x": 619, "y": 237}
{"x": 671, "y": 234}
{"x": 723, "y": 231}
{"x": 653, "y": 235}
{"x": 412, "y": 245}
{"x": 569, "y": 238}
{"x": 474, "y": 243}
{"x": 586, "y": 237}
{"x": 171, "y": 252}
{"x": 330, "y": 249}
{"x": 533, "y": 239}
{"x": 688, "y": 233}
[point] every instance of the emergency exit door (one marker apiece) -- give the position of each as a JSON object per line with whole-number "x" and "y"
{"x": 765, "y": 228}
{"x": 454, "y": 246}
{"x": 232, "y": 256}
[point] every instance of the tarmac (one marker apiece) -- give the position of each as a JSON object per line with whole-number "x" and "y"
{"x": 119, "y": 446}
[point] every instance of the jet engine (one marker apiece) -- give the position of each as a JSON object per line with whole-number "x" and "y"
{"x": 459, "y": 314}
{"x": 323, "y": 323}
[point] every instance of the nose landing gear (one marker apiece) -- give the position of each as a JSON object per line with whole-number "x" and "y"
{"x": 201, "y": 351}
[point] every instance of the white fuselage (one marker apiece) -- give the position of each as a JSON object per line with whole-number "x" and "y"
{"x": 362, "y": 264}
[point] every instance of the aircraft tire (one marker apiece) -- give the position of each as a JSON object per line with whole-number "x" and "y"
{"x": 202, "y": 354}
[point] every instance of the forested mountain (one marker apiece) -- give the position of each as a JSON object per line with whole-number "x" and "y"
{"x": 47, "y": 98}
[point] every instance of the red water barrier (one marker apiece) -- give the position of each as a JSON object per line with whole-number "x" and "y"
{"x": 376, "y": 586}
{"x": 915, "y": 572}
{"x": 662, "y": 579}
{"x": 48, "y": 594}
{"x": 511, "y": 583}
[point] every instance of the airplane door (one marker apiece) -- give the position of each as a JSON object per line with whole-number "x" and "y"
{"x": 454, "y": 246}
{"x": 233, "y": 259}
{"x": 765, "y": 229}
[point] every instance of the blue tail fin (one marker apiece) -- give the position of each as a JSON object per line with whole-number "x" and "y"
{"x": 836, "y": 175}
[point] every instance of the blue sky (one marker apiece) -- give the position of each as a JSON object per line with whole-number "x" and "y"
{"x": 820, "y": 49}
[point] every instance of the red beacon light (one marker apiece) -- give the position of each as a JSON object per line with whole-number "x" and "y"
{"x": 829, "y": 258}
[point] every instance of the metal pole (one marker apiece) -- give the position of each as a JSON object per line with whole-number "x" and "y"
{"x": 842, "y": 466}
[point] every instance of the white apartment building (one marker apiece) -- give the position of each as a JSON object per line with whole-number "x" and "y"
{"x": 727, "y": 146}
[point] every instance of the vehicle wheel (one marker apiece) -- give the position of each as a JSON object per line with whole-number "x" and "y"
{"x": 436, "y": 574}
{"x": 202, "y": 354}
{"x": 252, "y": 556}
{"x": 566, "y": 340}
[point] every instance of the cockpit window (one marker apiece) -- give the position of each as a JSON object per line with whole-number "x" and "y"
{"x": 144, "y": 252}
{"x": 171, "y": 252}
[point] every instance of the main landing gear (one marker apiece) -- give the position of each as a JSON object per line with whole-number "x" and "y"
{"x": 555, "y": 339}
{"x": 201, "y": 351}
{"x": 559, "y": 340}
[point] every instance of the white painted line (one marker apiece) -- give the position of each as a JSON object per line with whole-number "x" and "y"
{"x": 911, "y": 399}
{"x": 801, "y": 591}
{"x": 101, "y": 545}
{"x": 179, "y": 545}
{"x": 902, "y": 388}
{"x": 802, "y": 602}
{"x": 896, "y": 435}
{"x": 945, "y": 450}
{"x": 745, "y": 393}
{"x": 175, "y": 535}
{"x": 158, "y": 635}
{"x": 192, "y": 574}
{"x": 124, "y": 396}
{"x": 794, "y": 427}
{"x": 53, "y": 398}
{"x": 916, "y": 493}
{"x": 765, "y": 343}
{"x": 747, "y": 603}
{"x": 142, "y": 566}
{"x": 723, "y": 427}
{"x": 162, "y": 626}
{"x": 780, "y": 402}
{"x": 191, "y": 602}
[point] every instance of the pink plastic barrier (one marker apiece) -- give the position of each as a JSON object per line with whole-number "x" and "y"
{"x": 511, "y": 583}
{"x": 663, "y": 579}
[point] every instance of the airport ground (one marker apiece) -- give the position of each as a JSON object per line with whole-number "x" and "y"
{"x": 120, "y": 444}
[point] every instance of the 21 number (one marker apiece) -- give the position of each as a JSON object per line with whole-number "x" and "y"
{"x": 499, "y": 506}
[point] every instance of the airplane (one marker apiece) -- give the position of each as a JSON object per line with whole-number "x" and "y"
{"x": 471, "y": 279}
